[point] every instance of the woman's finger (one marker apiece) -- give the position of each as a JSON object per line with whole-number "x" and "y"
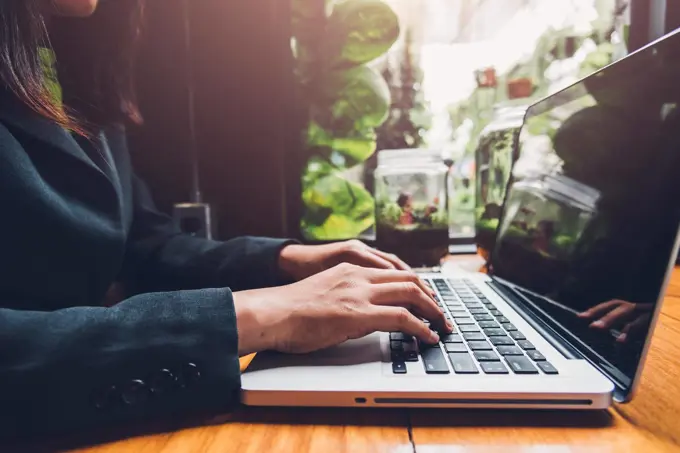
{"x": 365, "y": 258}
{"x": 633, "y": 328}
{"x": 600, "y": 309}
{"x": 410, "y": 296}
{"x": 394, "y": 259}
{"x": 396, "y": 276}
{"x": 398, "y": 319}
{"x": 617, "y": 316}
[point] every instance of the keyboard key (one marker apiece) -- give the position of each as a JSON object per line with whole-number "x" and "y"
{"x": 502, "y": 341}
{"x": 465, "y": 321}
{"x": 494, "y": 368}
{"x": 480, "y": 346}
{"x": 450, "y": 299}
{"x": 474, "y": 336}
{"x": 396, "y": 345}
{"x": 468, "y": 329}
{"x": 521, "y": 365}
{"x": 455, "y": 347}
{"x": 458, "y": 312}
{"x": 486, "y": 356}
{"x": 398, "y": 368}
{"x": 502, "y": 319}
{"x": 451, "y": 338}
{"x": 526, "y": 345}
{"x": 483, "y": 317}
{"x": 509, "y": 327}
{"x": 471, "y": 305}
{"x": 547, "y": 367}
{"x": 398, "y": 356}
{"x": 488, "y": 325}
{"x": 477, "y": 311}
{"x": 494, "y": 332}
{"x": 463, "y": 364}
{"x": 509, "y": 350}
{"x": 515, "y": 335}
{"x": 496, "y": 313}
{"x": 536, "y": 356}
{"x": 434, "y": 360}
{"x": 411, "y": 356}
{"x": 489, "y": 305}
{"x": 397, "y": 336}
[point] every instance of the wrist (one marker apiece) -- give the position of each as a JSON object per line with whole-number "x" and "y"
{"x": 257, "y": 320}
{"x": 290, "y": 265}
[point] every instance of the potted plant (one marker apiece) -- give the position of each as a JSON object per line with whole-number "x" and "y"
{"x": 344, "y": 100}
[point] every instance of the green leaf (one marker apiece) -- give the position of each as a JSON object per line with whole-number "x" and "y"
{"x": 349, "y": 207}
{"x": 355, "y": 147}
{"x": 316, "y": 169}
{"x": 360, "y": 31}
{"x": 337, "y": 227}
{"x": 317, "y": 136}
{"x": 359, "y": 95}
{"x": 358, "y": 147}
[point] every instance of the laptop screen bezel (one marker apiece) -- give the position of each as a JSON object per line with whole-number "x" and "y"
{"x": 622, "y": 393}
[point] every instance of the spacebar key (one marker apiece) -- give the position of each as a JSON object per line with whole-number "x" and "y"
{"x": 463, "y": 363}
{"x": 434, "y": 360}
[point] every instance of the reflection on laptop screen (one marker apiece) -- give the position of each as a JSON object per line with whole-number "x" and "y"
{"x": 593, "y": 208}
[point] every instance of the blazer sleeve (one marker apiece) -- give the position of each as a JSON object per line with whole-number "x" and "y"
{"x": 160, "y": 257}
{"x": 150, "y": 357}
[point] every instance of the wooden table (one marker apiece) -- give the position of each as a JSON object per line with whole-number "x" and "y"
{"x": 648, "y": 424}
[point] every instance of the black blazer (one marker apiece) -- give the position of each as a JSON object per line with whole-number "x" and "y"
{"x": 75, "y": 219}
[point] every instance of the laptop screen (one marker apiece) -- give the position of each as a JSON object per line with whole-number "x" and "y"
{"x": 593, "y": 207}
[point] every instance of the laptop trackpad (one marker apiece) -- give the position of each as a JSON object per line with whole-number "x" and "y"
{"x": 352, "y": 352}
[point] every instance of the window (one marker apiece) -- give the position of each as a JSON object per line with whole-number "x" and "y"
{"x": 446, "y": 75}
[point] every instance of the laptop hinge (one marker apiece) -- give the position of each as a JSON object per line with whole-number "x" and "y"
{"x": 551, "y": 336}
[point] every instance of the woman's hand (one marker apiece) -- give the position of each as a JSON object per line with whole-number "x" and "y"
{"x": 628, "y": 317}
{"x": 342, "y": 303}
{"x": 301, "y": 261}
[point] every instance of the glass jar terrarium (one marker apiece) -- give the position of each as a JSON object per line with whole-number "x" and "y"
{"x": 542, "y": 227}
{"x": 411, "y": 215}
{"x": 494, "y": 157}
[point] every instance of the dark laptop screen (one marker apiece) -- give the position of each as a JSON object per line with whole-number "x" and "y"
{"x": 593, "y": 208}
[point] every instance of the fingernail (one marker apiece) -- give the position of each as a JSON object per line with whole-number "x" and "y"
{"x": 622, "y": 338}
{"x": 434, "y": 338}
{"x": 597, "y": 324}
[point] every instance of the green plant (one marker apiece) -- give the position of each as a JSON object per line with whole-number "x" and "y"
{"x": 345, "y": 101}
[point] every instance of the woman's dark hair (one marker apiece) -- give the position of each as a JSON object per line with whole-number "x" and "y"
{"x": 94, "y": 61}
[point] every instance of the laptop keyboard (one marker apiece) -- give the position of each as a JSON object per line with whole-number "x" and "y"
{"x": 483, "y": 341}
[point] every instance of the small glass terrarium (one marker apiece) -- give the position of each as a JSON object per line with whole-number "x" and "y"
{"x": 542, "y": 226}
{"x": 411, "y": 215}
{"x": 494, "y": 156}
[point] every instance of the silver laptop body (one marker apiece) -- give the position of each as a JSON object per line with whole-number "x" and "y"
{"x": 590, "y": 222}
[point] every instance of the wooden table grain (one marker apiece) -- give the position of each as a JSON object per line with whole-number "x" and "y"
{"x": 648, "y": 424}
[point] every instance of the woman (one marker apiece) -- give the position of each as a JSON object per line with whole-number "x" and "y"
{"x": 75, "y": 220}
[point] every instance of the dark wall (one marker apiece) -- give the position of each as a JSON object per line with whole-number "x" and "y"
{"x": 240, "y": 69}
{"x": 159, "y": 148}
{"x": 672, "y": 15}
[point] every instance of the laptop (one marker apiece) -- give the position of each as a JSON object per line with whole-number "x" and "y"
{"x": 586, "y": 242}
